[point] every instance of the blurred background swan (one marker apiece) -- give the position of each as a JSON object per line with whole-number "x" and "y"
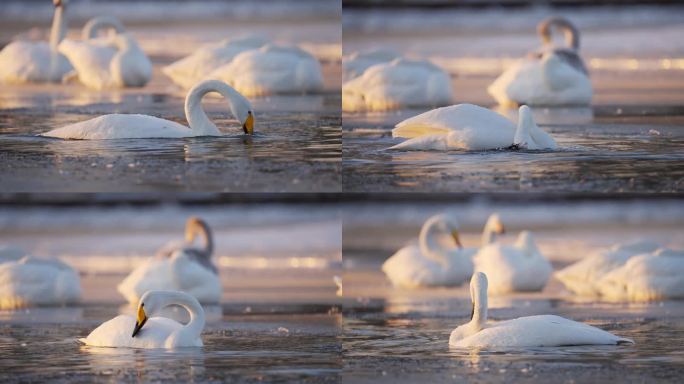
{"x": 400, "y": 83}
{"x": 355, "y": 64}
{"x": 550, "y": 76}
{"x": 183, "y": 267}
{"x": 33, "y": 281}
{"x": 114, "y": 61}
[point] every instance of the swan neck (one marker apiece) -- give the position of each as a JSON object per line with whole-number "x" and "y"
{"x": 94, "y": 26}
{"x": 58, "y": 30}
{"x": 429, "y": 246}
{"x": 197, "y": 118}
{"x": 572, "y": 39}
{"x": 488, "y": 235}
{"x": 197, "y": 319}
{"x": 478, "y": 294}
{"x": 207, "y": 238}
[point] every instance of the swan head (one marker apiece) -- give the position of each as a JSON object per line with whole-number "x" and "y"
{"x": 248, "y": 124}
{"x": 193, "y": 226}
{"x": 150, "y": 303}
{"x": 495, "y": 225}
{"x": 446, "y": 224}
{"x": 60, "y": 3}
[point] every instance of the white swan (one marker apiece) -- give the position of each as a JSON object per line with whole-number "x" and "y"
{"x": 37, "y": 62}
{"x": 184, "y": 268}
{"x": 430, "y": 263}
{"x": 530, "y": 331}
{"x": 646, "y": 277}
{"x": 401, "y": 83}
{"x": 116, "y": 61}
{"x": 152, "y": 332}
{"x": 356, "y": 64}
{"x": 191, "y": 69}
{"x": 33, "y": 281}
{"x": 470, "y": 127}
{"x": 550, "y": 76}
{"x": 120, "y": 126}
{"x": 514, "y": 268}
{"x": 582, "y": 277}
{"x": 272, "y": 69}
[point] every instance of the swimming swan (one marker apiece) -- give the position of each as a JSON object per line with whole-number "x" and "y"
{"x": 185, "y": 268}
{"x": 430, "y": 263}
{"x": 120, "y": 126}
{"x": 401, "y": 83}
{"x": 470, "y": 127}
{"x": 32, "y": 281}
{"x": 194, "y": 68}
{"x": 272, "y": 69}
{"x": 582, "y": 277}
{"x": 116, "y": 61}
{"x": 514, "y": 268}
{"x": 530, "y": 331}
{"x": 152, "y": 332}
{"x": 37, "y": 62}
{"x": 550, "y": 76}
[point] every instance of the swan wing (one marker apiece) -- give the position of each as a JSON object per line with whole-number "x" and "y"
{"x": 153, "y": 274}
{"x": 117, "y": 333}
{"x": 194, "y": 278}
{"x": 120, "y": 126}
{"x": 454, "y": 118}
{"x": 408, "y": 268}
{"x": 26, "y": 61}
{"x": 646, "y": 277}
{"x": 436, "y": 142}
{"x": 91, "y": 61}
{"x": 37, "y": 281}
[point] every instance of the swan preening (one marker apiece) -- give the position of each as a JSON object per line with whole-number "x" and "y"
{"x": 431, "y": 262}
{"x": 147, "y": 331}
{"x": 122, "y": 126}
{"x": 530, "y": 331}
{"x": 27, "y": 281}
{"x": 183, "y": 267}
{"x": 551, "y": 76}
{"x": 470, "y": 127}
{"x": 400, "y": 83}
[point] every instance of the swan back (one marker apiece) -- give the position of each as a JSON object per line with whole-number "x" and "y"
{"x": 451, "y": 118}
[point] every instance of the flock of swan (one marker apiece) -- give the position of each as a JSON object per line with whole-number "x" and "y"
{"x": 107, "y": 57}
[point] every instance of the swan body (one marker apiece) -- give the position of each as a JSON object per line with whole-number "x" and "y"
{"x": 133, "y": 126}
{"x": 470, "y": 127}
{"x": 582, "y": 277}
{"x": 530, "y": 331}
{"x": 516, "y": 268}
{"x": 152, "y": 332}
{"x": 646, "y": 277}
{"x": 10, "y": 253}
{"x": 549, "y": 77}
{"x": 192, "y": 69}
{"x": 33, "y": 281}
{"x": 183, "y": 267}
{"x": 356, "y": 64}
{"x": 271, "y": 70}
{"x": 401, "y": 83}
{"x": 430, "y": 263}
{"x": 37, "y": 62}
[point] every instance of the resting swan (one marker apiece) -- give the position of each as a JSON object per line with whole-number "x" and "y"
{"x": 530, "y": 331}
{"x": 152, "y": 332}
{"x": 356, "y": 64}
{"x": 32, "y": 281}
{"x": 429, "y": 263}
{"x": 470, "y": 127}
{"x": 120, "y": 126}
{"x": 517, "y": 268}
{"x": 184, "y": 268}
{"x": 37, "y": 62}
{"x": 550, "y": 76}
{"x": 111, "y": 62}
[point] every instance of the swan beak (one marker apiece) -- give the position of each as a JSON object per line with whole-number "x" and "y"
{"x": 501, "y": 229}
{"x": 142, "y": 319}
{"x": 57, "y": 3}
{"x": 190, "y": 229}
{"x": 454, "y": 234}
{"x": 248, "y": 126}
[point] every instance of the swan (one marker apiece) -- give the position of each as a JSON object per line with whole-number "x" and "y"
{"x": 356, "y": 64}
{"x": 152, "y": 332}
{"x": 37, "y": 62}
{"x": 582, "y": 276}
{"x": 430, "y": 263}
{"x": 192, "y": 69}
{"x": 520, "y": 267}
{"x": 550, "y": 76}
{"x": 529, "y": 331}
{"x": 121, "y": 126}
{"x": 10, "y": 252}
{"x": 646, "y": 277}
{"x": 32, "y": 281}
{"x": 184, "y": 268}
{"x": 113, "y": 62}
{"x": 272, "y": 69}
{"x": 470, "y": 127}
{"x": 401, "y": 83}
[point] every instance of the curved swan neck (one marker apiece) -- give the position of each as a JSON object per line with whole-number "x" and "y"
{"x": 492, "y": 228}
{"x": 572, "y": 39}
{"x": 478, "y": 295}
{"x": 197, "y": 118}
{"x": 429, "y": 247}
{"x": 197, "y": 226}
{"x": 197, "y": 319}
{"x": 95, "y": 25}
{"x": 58, "y": 30}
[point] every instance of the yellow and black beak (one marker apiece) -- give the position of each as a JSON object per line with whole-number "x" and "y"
{"x": 457, "y": 240}
{"x": 501, "y": 230}
{"x": 142, "y": 319}
{"x": 248, "y": 126}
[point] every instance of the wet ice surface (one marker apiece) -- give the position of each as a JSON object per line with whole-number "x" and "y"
{"x": 609, "y": 149}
